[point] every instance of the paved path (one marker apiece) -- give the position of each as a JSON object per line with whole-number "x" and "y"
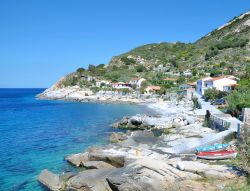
{"x": 208, "y": 139}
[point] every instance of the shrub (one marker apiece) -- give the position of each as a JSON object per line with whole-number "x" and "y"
{"x": 140, "y": 68}
{"x": 196, "y": 104}
{"x": 244, "y": 149}
{"x": 127, "y": 61}
{"x": 239, "y": 98}
{"x": 213, "y": 51}
{"x": 213, "y": 94}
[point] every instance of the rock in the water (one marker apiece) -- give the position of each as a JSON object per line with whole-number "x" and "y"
{"x": 97, "y": 165}
{"x": 77, "y": 159}
{"x": 90, "y": 180}
{"x": 117, "y": 137}
{"x": 113, "y": 159}
{"x": 50, "y": 180}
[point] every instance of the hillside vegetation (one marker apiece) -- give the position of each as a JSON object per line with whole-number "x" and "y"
{"x": 225, "y": 50}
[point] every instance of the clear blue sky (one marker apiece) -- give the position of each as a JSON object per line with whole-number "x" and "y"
{"x": 42, "y": 40}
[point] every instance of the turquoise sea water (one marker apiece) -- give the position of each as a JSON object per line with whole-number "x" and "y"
{"x": 37, "y": 134}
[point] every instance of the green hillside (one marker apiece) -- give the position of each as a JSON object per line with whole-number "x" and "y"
{"x": 225, "y": 50}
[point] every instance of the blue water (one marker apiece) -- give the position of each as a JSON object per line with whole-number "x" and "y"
{"x": 38, "y": 134}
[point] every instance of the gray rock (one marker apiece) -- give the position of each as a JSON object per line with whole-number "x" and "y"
{"x": 90, "y": 180}
{"x": 97, "y": 165}
{"x": 67, "y": 175}
{"x": 113, "y": 159}
{"x": 77, "y": 159}
{"x": 117, "y": 137}
{"x": 220, "y": 172}
{"x": 147, "y": 174}
{"x": 50, "y": 180}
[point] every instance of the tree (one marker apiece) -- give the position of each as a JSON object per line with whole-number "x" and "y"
{"x": 91, "y": 68}
{"x": 80, "y": 70}
{"x": 194, "y": 71}
{"x": 213, "y": 94}
{"x": 239, "y": 98}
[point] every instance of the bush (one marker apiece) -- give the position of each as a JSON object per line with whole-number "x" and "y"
{"x": 140, "y": 68}
{"x": 128, "y": 61}
{"x": 196, "y": 104}
{"x": 213, "y": 94}
{"x": 213, "y": 51}
{"x": 239, "y": 98}
{"x": 244, "y": 149}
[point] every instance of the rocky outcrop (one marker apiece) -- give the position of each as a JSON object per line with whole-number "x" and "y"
{"x": 143, "y": 122}
{"x": 77, "y": 159}
{"x": 50, "y": 180}
{"x": 147, "y": 174}
{"x": 90, "y": 180}
{"x": 220, "y": 172}
{"x": 115, "y": 160}
{"x": 97, "y": 165}
{"x": 116, "y": 137}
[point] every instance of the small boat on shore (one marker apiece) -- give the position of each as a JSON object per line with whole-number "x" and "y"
{"x": 217, "y": 155}
{"x": 215, "y": 147}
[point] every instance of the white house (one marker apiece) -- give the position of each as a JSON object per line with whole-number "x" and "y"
{"x": 101, "y": 83}
{"x": 222, "y": 83}
{"x": 136, "y": 82}
{"x": 200, "y": 85}
{"x": 121, "y": 85}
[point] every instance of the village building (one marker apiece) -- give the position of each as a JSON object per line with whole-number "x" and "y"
{"x": 187, "y": 85}
{"x": 102, "y": 83}
{"x": 121, "y": 85}
{"x": 136, "y": 82}
{"x": 152, "y": 89}
{"x": 170, "y": 80}
{"x": 222, "y": 83}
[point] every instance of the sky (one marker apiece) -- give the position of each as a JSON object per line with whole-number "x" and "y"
{"x": 43, "y": 40}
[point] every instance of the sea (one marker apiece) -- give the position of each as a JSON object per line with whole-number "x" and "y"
{"x": 38, "y": 134}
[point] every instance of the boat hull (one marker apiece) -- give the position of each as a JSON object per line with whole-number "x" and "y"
{"x": 216, "y": 147}
{"x": 217, "y": 155}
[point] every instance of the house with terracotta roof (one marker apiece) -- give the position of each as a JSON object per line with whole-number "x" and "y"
{"x": 136, "y": 82}
{"x": 152, "y": 89}
{"x": 222, "y": 83}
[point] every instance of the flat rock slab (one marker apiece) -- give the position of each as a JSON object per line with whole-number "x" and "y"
{"x": 50, "y": 180}
{"x": 97, "y": 165}
{"x": 148, "y": 175}
{"x": 221, "y": 172}
{"x": 90, "y": 180}
{"x": 113, "y": 159}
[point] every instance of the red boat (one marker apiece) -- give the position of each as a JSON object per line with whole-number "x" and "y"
{"x": 216, "y": 155}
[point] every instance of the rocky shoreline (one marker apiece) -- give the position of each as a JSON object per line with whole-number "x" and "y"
{"x": 138, "y": 159}
{"x": 76, "y": 93}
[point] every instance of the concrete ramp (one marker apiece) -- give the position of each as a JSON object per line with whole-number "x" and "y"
{"x": 207, "y": 140}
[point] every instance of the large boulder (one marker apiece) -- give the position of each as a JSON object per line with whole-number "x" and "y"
{"x": 147, "y": 174}
{"x": 97, "y": 165}
{"x": 220, "y": 172}
{"x": 50, "y": 180}
{"x": 77, "y": 159}
{"x": 115, "y": 160}
{"x": 90, "y": 180}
